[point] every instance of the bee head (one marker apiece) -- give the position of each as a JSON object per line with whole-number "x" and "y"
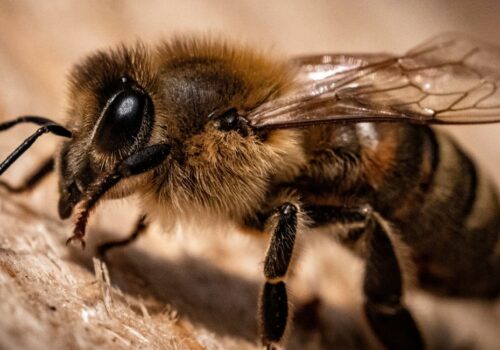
{"x": 111, "y": 114}
{"x": 190, "y": 93}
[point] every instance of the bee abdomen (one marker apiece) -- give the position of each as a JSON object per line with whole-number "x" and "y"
{"x": 453, "y": 228}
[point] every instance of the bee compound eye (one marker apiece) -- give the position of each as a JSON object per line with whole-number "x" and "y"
{"x": 122, "y": 119}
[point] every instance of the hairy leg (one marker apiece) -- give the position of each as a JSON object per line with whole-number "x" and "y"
{"x": 139, "y": 228}
{"x": 384, "y": 309}
{"x": 274, "y": 311}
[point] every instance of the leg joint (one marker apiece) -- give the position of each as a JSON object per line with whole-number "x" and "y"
{"x": 288, "y": 210}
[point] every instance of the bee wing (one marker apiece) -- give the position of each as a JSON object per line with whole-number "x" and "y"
{"x": 450, "y": 79}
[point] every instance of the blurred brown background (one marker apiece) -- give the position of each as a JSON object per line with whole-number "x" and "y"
{"x": 209, "y": 281}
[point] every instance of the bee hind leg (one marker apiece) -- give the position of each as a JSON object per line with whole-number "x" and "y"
{"x": 388, "y": 317}
{"x": 140, "y": 227}
{"x": 384, "y": 309}
{"x": 33, "y": 179}
{"x": 274, "y": 312}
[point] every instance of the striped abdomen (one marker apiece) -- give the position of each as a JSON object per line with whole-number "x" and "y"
{"x": 444, "y": 209}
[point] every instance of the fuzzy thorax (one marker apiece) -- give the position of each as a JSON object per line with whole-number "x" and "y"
{"x": 224, "y": 175}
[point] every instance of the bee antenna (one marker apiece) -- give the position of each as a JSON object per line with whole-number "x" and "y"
{"x": 48, "y": 126}
{"x": 138, "y": 163}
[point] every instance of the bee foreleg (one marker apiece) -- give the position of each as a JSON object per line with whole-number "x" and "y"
{"x": 274, "y": 300}
{"x": 33, "y": 179}
{"x": 140, "y": 227}
{"x": 141, "y": 162}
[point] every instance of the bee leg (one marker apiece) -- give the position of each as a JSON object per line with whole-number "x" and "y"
{"x": 33, "y": 179}
{"x": 143, "y": 161}
{"x": 389, "y": 319}
{"x": 274, "y": 299}
{"x": 140, "y": 227}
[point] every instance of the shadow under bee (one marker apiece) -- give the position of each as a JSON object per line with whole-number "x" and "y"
{"x": 220, "y": 301}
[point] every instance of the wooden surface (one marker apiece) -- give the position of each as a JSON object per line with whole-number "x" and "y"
{"x": 197, "y": 287}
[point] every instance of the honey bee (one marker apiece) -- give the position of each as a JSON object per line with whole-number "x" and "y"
{"x": 202, "y": 127}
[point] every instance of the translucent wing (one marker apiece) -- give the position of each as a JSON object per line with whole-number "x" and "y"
{"x": 448, "y": 80}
